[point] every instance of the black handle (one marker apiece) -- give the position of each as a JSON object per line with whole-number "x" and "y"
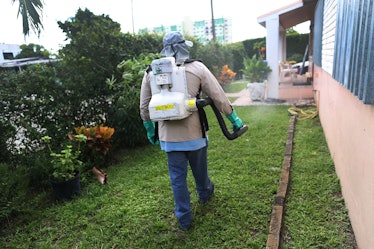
{"x": 200, "y": 103}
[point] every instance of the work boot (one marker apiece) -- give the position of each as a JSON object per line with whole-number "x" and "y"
{"x": 204, "y": 201}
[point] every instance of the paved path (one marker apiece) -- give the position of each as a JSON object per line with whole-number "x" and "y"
{"x": 243, "y": 99}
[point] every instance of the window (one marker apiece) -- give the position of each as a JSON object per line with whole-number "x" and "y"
{"x": 317, "y": 40}
{"x": 354, "y": 48}
{"x": 8, "y": 56}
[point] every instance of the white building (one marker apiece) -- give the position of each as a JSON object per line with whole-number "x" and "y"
{"x": 8, "y": 51}
{"x": 202, "y": 30}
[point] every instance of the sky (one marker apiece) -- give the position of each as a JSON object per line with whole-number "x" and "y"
{"x": 137, "y": 14}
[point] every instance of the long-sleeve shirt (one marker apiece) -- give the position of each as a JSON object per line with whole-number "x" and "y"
{"x": 198, "y": 77}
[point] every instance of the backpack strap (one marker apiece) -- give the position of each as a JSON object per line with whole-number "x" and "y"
{"x": 202, "y": 116}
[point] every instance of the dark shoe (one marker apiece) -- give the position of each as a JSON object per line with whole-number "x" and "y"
{"x": 185, "y": 228}
{"x": 204, "y": 201}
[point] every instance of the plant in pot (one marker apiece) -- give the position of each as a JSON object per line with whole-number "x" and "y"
{"x": 256, "y": 71}
{"x": 65, "y": 177}
{"x": 97, "y": 149}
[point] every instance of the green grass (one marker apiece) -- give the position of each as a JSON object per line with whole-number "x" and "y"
{"x": 135, "y": 210}
{"x": 235, "y": 86}
{"x": 316, "y": 214}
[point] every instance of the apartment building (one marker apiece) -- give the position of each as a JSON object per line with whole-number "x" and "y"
{"x": 202, "y": 30}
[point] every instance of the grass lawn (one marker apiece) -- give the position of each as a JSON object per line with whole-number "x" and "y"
{"x": 235, "y": 86}
{"x": 135, "y": 210}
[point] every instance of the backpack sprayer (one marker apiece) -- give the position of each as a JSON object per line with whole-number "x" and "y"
{"x": 170, "y": 99}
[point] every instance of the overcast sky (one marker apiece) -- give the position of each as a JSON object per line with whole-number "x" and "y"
{"x": 146, "y": 13}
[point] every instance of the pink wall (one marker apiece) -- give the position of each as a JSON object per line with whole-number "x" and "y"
{"x": 348, "y": 125}
{"x": 287, "y": 91}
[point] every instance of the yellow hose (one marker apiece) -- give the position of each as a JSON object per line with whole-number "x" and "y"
{"x": 301, "y": 114}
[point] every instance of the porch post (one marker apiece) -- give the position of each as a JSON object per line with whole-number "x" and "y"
{"x": 273, "y": 55}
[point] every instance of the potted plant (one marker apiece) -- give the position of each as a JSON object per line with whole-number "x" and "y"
{"x": 256, "y": 71}
{"x": 65, "y": 177}
{"x": 97, "y": 149}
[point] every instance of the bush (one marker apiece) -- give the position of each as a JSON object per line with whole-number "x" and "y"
{"x": 224, "y": 76}
{"x": 124, "y": 113}
{"x": 255, "y": 69}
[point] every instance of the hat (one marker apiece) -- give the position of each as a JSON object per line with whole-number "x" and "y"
{"x": 176, "y": 38}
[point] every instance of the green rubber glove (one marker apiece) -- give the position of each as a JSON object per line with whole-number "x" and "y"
{"x": 236, "y": 122}
{"x": 150, "y": 127}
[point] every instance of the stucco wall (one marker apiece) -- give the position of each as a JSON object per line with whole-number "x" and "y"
{"x": 348, "y": 125}
{"x": 9, "y": 48}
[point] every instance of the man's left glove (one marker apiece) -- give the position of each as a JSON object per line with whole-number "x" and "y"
{"x": 236, "y": 122}
{"x": 150, "y": 127}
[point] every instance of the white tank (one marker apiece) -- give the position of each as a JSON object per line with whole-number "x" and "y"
{"x": 170, "y": 100}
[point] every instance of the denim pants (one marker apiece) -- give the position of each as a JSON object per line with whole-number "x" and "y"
{"x": 178, "y": 168}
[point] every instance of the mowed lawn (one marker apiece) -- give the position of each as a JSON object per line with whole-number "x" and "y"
{"x": 135, "y": 209}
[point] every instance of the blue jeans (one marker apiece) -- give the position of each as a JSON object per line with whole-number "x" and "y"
{"x": 178, "y": 168}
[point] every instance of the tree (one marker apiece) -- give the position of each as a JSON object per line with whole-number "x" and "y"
{"x": 32, "y": 50}
{"x": 31, "y": 11}
{"x": 96, "y": 47}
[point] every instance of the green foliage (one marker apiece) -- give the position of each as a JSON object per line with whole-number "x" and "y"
{"x": 66, "y": 163}
{"x": 255, "y": 69}
{"x": 13, "y": 194}
{"x": 33, "y": 102}
{"x": 237, "y": 53}
{"x": 96, "y": 48}
{"x": 315, "y": 202}
{"x": 124, "y": 112}
{"x": 251, "y": 46}
{"x": 31, "y": 12}
{"x": 296, "y": 44}
{"x": 32, "y": 50}
{"x": 214, "y": 55}
{"x": 90, "y": 57}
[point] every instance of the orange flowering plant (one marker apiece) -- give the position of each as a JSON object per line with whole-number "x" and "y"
{"x": 98, "y": 137}
{"x": 225, "y": 76}
{"x": 98, "y": 142}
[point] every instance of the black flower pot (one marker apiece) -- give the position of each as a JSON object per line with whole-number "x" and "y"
{"x": 66, "y": 189}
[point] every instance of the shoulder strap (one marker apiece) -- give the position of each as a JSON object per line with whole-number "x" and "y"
{"x": 191, "y": 60}
{"x": 148, "y": 69}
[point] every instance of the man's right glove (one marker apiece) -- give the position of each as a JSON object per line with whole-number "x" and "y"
{"x": 236, "y": 122}
{"x": 150, "y": 127}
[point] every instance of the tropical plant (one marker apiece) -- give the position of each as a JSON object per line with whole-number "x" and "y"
{"x": 98, "y": 137}
{"x": 31, "y": 11}
{"x": 255, "y": 69}
{"x": 66, "y": 163}
{"x": 224, "y": 76}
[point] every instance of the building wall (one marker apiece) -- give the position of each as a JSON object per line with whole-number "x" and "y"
{"x": 328, "y": 35}
{"x": 6, "y": 49}
{"x": 348, "y": 126}
{"x": 203, "y": 29}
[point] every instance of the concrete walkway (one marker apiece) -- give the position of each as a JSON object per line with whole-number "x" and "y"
{"x": 243, "y": 99}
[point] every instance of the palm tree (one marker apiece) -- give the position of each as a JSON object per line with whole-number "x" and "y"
{"x": 31, "y": 11}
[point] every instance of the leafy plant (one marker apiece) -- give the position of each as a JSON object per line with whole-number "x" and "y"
{"x": 66, "y": 163}
{"x": 124, "y": 112}
{"x": 98, "y": 137}
{"x": 98, "y": 144}
{"x": 255, "y": 69}
{"x": 225, "y": 76}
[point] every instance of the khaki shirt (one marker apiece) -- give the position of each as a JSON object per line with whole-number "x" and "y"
{"x": 197, "y": 75}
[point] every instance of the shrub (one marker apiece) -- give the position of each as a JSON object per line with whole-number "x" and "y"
{"x": 255, "y": 69}
{"x": 124, "y": 112}
{"x": 98, "y": 144}
{"x": 225, "y": 76}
